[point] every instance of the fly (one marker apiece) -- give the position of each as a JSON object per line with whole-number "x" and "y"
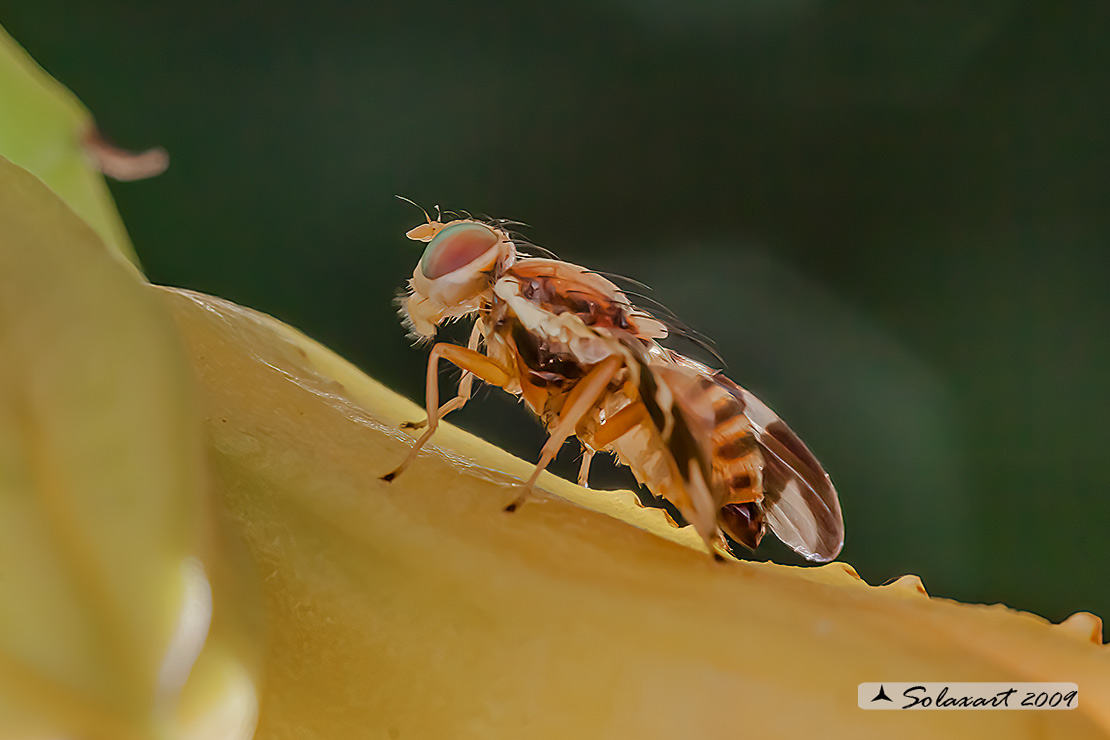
{"x": 589, "y": 364}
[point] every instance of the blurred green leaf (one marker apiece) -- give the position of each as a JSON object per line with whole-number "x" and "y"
{"x": 42, "y": 125}
{"x": 103, "y": 607}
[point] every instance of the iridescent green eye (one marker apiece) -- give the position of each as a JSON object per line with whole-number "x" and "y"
{"x": 456, "y": 246}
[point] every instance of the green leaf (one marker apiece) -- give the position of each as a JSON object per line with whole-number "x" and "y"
{"x": 42, "y": 125}
{"x": 104, "y": 600}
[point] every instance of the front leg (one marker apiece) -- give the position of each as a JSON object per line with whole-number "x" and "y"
{"x": 472, "y": 362}
{"x": 466, "y": 385}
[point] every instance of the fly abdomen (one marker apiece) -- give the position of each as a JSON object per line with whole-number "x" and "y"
{"x": 737, "y": 461}
{"x": 735, "y": 447}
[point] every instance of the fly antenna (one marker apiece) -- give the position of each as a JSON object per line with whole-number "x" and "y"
{"x": 412, "y": 202}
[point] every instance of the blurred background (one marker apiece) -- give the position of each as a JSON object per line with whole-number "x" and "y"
{"x": 892, "y": 218}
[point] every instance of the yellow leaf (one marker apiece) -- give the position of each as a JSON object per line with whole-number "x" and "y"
{"x": 419, "y": 609}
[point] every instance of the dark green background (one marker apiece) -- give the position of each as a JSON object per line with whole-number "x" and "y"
{"x": 891, "y": 217}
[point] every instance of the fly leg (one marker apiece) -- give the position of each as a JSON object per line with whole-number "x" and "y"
{"x": 615, "y": 427}
{"x": 472, "y": 362}
{"x": 466, "y": 384}
{"x": 584, "y": 470}
{"x": 619, "y": 424}
{"x": 585, "y": 394}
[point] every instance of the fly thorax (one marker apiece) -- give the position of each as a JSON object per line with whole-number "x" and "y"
{"x": 531, "y": 316}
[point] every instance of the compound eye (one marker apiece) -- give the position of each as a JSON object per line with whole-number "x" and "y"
{"x": 456, "y": 246}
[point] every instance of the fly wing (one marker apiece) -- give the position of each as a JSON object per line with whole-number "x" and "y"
{"x": 799, "y": 501}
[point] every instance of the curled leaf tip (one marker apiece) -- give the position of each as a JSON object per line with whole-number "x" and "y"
{"x": 122, "y": 164}
{"x": 838, "y": 566}
{"x": 1083, "y": 625}
{"x": 908, "y": 584}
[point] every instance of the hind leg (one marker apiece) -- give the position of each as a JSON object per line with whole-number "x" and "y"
{"x": 579, "y": 403}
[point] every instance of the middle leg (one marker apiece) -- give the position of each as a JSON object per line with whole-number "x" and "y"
{"x": 613, "y": 428}
{"x": 585, "y": 394}
{"x": 584, "y": 469}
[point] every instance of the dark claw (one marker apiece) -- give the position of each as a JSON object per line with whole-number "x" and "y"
{"x": 388, "y": 477}
{"x": 511, "y": 508}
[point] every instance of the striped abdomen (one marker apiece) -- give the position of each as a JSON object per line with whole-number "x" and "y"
{"x": 737, "y": 462}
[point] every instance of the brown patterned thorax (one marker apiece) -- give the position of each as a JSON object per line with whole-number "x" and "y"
{"x": 560, "y": 290}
